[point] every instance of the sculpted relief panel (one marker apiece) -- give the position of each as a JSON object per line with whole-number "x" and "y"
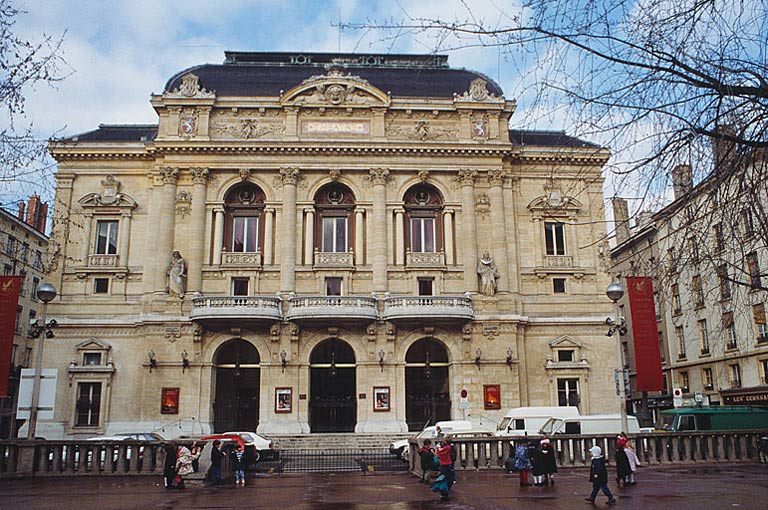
{"x": 247, "y": 124}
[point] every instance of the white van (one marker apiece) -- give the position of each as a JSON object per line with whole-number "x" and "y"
{"x": 523, "y": 421}
{"x": 397, "y": 448}
{"x": 594, "y": 424}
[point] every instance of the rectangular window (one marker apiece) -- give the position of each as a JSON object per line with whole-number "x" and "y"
{"x": 707, "y": 378}
{"x": 671, "y": 261}
{"x": 753, "y": 267}
{"x": 718, "y": 235}
{"x": 35, "y": 285}
{"x": 693, "y": 248}
{"x": 725, "y": 283}
{"x": 106, "y": 237}
{"x": 17, "y": 328}
{"x": 335, "y": 235}
{"x": 23, "y": 283}
{"x": 747, "y": 220}
{"x": 14, "y": 353}
{"x": 24, "y": 255}
{"x": 7, "y": 269}
{"x": 333, "y": 286}
{"x": 88, "y": 404}
{"x": 761, "y": 328}
{"x": 568, "y": 392}
{"x": 426, "y": 286}
{"x": 101, "y": 285}
{"x": 239, "y": 286}
{"x": 32, "y": 317}
{"x": 565, "y": 355}
{"x": 698, "y": 292}
{"x": 245, "y": 234}
{"x": 680, "y": 336}
{"x": 764, "y": 370}
{"x": 729, "y": 331}
{"x": 27, "y": 356}
{"x": 10, "y": 246}
{"x": 555, "y": 238}
{"x": 685, "y": 382}
{"x": 657, "y": 305}
{"x": 735, "y": 375}
{"x": 661, "y": 347}
{"x": 91, "y": 359}
{"x": 423, "y": 235}
{"x": 676, "y": 308}
{"x": 703, "y": 336}
{"x": 558, "y": 285}
{"x": 37, "y": 263}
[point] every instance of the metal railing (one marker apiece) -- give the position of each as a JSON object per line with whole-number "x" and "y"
{"x": 335, "y": 460}
{"x": 573, "y": 450}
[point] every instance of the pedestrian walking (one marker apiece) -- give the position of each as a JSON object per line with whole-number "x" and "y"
{"x": 623, "y": 470}
{"x": 548, "y": 462}
{"x": 184, "y": 460}
{"x": 216, "y": 462}
{"x": 634, "y": 462}
{"x": 169, "y": 467}
{"x": 522, "y": 462}
{"x": 598, "y": 475}
{"x": 429, "y": 465}
{"x": 238, "y": 464}
{"x": 446, "y": 458}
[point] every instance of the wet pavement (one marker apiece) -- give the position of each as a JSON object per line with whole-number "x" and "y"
{"x": 698, "y": 487}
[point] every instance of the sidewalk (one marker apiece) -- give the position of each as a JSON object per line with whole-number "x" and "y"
{"x": 680, "y": 488}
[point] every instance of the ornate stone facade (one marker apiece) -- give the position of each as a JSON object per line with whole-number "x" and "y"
{"x": 331, "y": 226}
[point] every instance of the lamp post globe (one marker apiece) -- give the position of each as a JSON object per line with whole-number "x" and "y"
{"x": 614, "y": 291}
{"x": 46, "y": 292}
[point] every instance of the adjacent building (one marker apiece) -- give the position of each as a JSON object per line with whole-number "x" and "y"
{"x": 23, "y": 245}
{"x": 326, "y": 243}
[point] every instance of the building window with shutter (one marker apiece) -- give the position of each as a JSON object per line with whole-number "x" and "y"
{"x": 730, "y": 331}
{"x": 106, "y": 237}
{"x": 88, "y": 404}
{"x": 698, "y": 293}
{"x": 761, "y": 328}
{"x": 753, "y": 267}
{"x": 676, "y": 307}
{"x": 725, "y": 283}
{"x": 680, "y": 337}
{"x": 554, "y": 234}
{"x": 735, "y": 375}
{"x": 708, "y": 379}
{"x": 703, "y": 337}
{"x": 568, "y": 392}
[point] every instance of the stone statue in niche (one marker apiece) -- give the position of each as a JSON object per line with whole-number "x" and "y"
{"x": 486, "y": 268}
{"x": 177, "y": 275}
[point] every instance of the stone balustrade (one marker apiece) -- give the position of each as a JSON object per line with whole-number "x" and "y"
{"x": 573, "y": 450}
{"x": 308, "y": 307}
{"x": 424, "y": 259}
{"x": 237, "y": 259}
{"x": 244, "y": 307}
{"x": 448, "y": 307}
{"x": 326, "y": 259}
{"x": 559, "y": 261}
{"x": 102, "y": 260}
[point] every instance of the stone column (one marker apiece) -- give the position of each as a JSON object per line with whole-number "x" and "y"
{"x": 448, "y": 235}
{"x": 399, "y": 237}
{"x": 466, "y": 179}
{"x": 359, "y": 236}
{"x": 88, "y": 239}
{"x": 379, "y": 177}
{"x": 196, "y": 247}
{"x": 218, "y": 235}
{"x": 309, "y": 236}
{"x": 125, "y": 237}
{"x": 289, "y": 178}
{"x": 165, "y": 233}
{"x": 499, "y": 227}
{"x": 269, "y": 218}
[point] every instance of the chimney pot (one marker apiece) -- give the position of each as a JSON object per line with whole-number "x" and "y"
{"x": 621, "y": 219}
{"x": 682, "y": 180}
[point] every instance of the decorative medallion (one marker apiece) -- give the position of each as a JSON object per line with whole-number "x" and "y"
{"x": 188, "y": 125}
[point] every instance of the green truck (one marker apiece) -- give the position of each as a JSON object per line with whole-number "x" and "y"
{"x": 715, "y": 418}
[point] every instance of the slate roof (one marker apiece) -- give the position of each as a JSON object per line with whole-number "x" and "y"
{"x": 117, "y": 133}
{"x": 547, "y": 139}
{"x": 266, "y": 74}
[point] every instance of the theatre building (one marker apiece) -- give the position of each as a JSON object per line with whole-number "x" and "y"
{"x": 314, "y": 243}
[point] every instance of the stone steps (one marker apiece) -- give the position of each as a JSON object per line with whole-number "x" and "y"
{"x": 334, "y": 441}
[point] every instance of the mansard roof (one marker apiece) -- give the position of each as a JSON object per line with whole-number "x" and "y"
{"x": 117, "y": 133}
{"x": 534, "y": 138}
{"x": 268, "y": 74}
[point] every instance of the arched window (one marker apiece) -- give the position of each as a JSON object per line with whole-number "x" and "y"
{"x": 244, "y": 230}
{"x": 334, "y": 231}
{"x": 424, "y": 233}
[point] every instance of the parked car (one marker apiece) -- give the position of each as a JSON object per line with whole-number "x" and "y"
{"x": 256, "y": 446}
{"x": 526, "y": 421}
{"x": 399, "y": 447}
{"x": 128, "y": 436}
{"x": 591, "y": 424}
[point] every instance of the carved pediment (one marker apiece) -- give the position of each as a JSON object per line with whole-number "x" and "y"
{"x": 564, "y": 342}
{"x": 92, "y": 345}
{"x": 335, "y": 89}
{"x": 121, "y": 201}
{"x": 554, "y": 203}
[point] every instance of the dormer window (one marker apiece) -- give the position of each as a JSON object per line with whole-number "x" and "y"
{"x": 565, "y": 355}
{"x": 91, "y": 359}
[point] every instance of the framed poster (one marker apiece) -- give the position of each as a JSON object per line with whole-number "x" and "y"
{"x": 283, "y": 400}
{"x": 381, "y": 399}
{"x": 491, "y": 396}
{"x": 169, "y": 401}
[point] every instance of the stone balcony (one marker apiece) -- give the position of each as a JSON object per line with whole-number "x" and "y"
{"x": 237, "y": 259}
{"x": 418, "y": 308}
{"x": 424, "y": 259}
{"x": 330, "y": 260}
{"x": 559, "y": 261}
{"x": 332, "y": 307}
{"x": 109, "y": 261}
{"x": 226, "y": 308}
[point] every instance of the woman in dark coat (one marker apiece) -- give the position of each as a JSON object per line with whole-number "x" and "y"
{"x": 169, "y": 466}
{"x": 548, "y": 461}
{"x": 623, "y": 469}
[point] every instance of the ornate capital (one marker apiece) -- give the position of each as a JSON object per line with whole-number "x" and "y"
{"x": 496, "y": 177}
{"x": 289, "y": 175}
{"x": 169, "y": 174}
{"x": 199, "y": 175}
{"x": 466, "y": 177}
{"x": 379, "y": 175}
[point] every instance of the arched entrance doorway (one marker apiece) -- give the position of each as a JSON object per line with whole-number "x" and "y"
{"x": 428, "y": 398}
{"x": 236, "y": 404}
{"x": 332, "y": 386}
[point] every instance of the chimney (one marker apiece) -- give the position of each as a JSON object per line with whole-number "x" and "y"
{"x": 36, "y": 213}
{"x": 723, "y": 151}
{"x": 682, "y": 180}
{"x": 22, "y": 206}
{"x": 42, "y": 218}
{"x": 621, "y": 219}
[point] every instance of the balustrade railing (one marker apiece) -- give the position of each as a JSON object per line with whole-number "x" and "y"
{"x": 102, "y": 260}
{"x": 424, "y": 259}
{"x": 241, "y": 259}
{"x": 573, "y": 450}
{"x": 418, "y": 306}
{"x": 237, "y": 301}
{"x": 559, "y": 261}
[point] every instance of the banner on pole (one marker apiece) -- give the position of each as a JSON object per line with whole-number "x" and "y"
{"x": 644, "y": 334}
{"x": 9, "y": 301}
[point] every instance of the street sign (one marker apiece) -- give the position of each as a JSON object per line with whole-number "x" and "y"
{"x": 45, "y": 405}
{"x": 463, "y": 403}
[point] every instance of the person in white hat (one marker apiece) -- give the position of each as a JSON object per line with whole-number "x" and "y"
{"x": 598, "y": 475}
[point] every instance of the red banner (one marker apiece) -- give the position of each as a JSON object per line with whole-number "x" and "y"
{"x": 9, "y": 301}
{"x": 645, "y": 335}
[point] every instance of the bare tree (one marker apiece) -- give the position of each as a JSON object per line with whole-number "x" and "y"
{"x": 662, "y": 83}
{"x": 23, "y": 65}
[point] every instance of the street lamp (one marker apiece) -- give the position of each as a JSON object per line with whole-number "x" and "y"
{"x": 45, "y": 293}
{"x": 615, "y": 292}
